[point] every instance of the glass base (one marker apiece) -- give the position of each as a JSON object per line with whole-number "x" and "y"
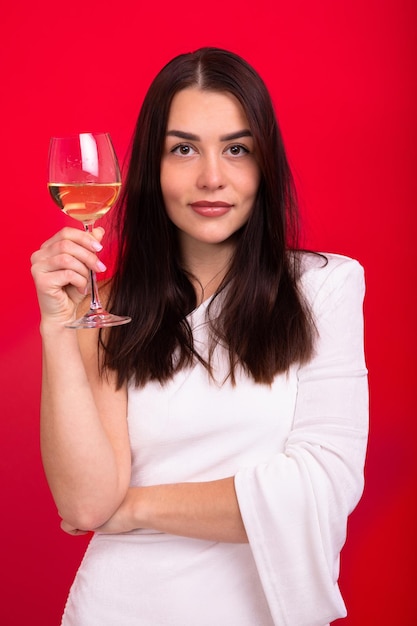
{"x": 99, "y": 319}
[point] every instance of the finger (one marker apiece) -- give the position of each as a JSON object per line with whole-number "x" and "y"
{"x": 53, "y": 283}
{"x": 98, "y": 233}
{"x": 66, "y": 254}
{"x": 57, "y": 275}
{"x": 77, "y": 261}
{"x": 91, "y": 241}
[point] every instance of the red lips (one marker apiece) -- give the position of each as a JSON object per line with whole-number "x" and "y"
{"x": 202, "y": 203}
{"x": 210, "y": 209}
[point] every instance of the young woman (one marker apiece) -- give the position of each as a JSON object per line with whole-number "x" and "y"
{"x": 215, "y": 444}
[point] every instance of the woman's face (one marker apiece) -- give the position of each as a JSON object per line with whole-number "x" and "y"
{"x": 209, "y": 172}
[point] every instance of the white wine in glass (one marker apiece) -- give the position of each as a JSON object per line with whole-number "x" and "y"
{"x": 85, "y": 182}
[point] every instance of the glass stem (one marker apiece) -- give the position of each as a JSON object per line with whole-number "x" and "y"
{"x": 95, "y": 303}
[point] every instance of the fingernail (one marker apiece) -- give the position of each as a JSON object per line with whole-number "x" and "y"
{"x": 96, "y": 245}
{"x": 101, "y": 267}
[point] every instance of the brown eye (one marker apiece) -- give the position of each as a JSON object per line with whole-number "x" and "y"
{"x": 237, "y": 150}
{"x": 183, "y": 149}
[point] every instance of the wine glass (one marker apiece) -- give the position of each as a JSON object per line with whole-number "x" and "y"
{"x": 85, "y": 182}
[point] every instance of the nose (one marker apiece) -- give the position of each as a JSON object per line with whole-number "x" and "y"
{"x": 211, "y": 175}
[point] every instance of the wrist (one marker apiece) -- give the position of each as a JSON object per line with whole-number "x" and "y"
{"x": 138, "y": 507}
{"x": 54, "y": 329}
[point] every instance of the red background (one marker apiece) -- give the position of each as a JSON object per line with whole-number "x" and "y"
{"x": 342, "y": 75}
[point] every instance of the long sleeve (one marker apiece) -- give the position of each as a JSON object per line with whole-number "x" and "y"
{"x": 295, "y": 507}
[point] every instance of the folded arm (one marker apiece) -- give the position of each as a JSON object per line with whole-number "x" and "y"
{"x": 84, "y": 442}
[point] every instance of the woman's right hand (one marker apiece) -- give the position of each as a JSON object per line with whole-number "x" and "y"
{"x": 60, "y": 269}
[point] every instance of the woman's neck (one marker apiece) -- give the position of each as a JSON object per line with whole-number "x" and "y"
{"x": 207, "y": 266}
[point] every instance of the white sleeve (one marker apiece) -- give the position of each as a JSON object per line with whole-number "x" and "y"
{"x": 295, "y": 507}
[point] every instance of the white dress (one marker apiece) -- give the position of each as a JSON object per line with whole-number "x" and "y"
{"x": 297, "y": 451}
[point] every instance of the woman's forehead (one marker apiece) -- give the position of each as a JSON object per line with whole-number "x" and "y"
{"x": 196, "y": 107}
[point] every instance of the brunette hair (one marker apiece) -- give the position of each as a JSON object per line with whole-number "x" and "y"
{"x": 263, "y": 319}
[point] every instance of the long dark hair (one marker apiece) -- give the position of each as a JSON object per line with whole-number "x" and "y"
{"x": 263, "y": 319}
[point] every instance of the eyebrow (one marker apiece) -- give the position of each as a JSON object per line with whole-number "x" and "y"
{"x": 191, "y": 137}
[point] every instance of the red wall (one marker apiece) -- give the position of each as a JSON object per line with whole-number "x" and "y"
{"x": 342, "y": 74}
